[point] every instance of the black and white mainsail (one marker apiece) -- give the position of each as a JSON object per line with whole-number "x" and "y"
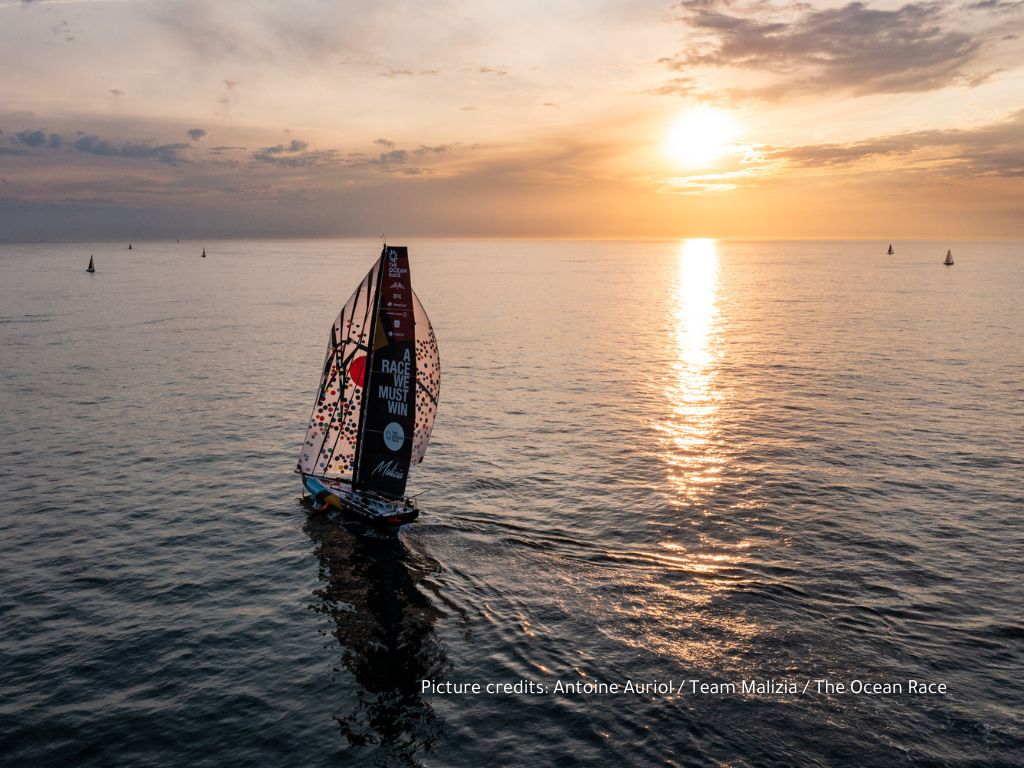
{"x": 379, "y": 388}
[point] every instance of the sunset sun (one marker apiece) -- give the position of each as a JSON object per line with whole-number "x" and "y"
{"x": 700, "y": 136}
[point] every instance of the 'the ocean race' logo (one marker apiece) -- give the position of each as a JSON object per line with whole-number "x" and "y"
{"x": 394, "y": 436}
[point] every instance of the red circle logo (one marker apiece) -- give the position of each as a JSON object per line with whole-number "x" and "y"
{"x": 357, "y": 370}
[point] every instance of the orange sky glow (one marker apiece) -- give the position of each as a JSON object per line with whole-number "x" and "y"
{"x": 723, "y": 118}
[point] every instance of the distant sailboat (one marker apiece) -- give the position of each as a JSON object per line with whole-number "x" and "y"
{"x": 890, "y": 251}
{"x": 204, "y": 253}
{"x": 90, "y": 269}
{"x": 129, "y": 246}
{"x": 949, "y": 258}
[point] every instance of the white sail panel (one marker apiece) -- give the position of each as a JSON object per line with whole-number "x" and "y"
{"x": 428, "y": 380}
{"x": 330, "y": 444}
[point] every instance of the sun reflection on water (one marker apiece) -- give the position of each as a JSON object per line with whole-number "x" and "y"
{"x": 693, "y": 459}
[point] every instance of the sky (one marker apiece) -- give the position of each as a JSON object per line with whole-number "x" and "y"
{"x": 135, "y": 119}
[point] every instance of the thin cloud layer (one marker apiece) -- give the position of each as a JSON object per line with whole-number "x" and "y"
{"x": 996, "y": 149}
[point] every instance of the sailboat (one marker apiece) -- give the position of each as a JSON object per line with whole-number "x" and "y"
{"x": 890, "y": 251}
{"x": 129, "y": 246}
{"x": 204, "y": 252}
{"x": 90, "y": 269}
{"x": 377, "y": 400}
{"x": 949, "y": 258}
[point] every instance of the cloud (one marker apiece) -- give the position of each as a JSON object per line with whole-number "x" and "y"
{"x": 294, "y": 146}
{"x": 854, "y": 47}
{"x": 996, "y": 6}
{"x": 395, "y": 73}
{"x": 423, "y": 149}
{"x": 397, "y": 160}
{"x": 295, "y": 155}
{"x": 168, "y": 154}
{"x": 996, "y": 149}
{"x": 37, "y": 139}
{"x": 62, "y": 29}
{"x": 392, "y": 157}
{"x": 196, "y": 133}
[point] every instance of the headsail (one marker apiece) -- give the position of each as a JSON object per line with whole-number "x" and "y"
{"x": 330, "y": 445}
{"x": 428, "y": 380}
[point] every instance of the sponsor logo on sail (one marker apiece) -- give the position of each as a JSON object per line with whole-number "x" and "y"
{"x": 389, "y": 469}
{"x": 394, "y": 436}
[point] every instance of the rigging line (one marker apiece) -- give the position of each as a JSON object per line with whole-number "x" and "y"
{"x": 334, "y": 355}
{"x": 426, "y": 390}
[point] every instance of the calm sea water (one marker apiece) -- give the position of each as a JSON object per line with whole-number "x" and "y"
{"x": 665, "y": 461}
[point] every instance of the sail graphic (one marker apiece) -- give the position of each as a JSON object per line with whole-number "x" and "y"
{"x": 384, "y": 447}
{"x": 329, "y": 449}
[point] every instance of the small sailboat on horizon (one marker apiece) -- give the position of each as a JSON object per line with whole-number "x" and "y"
{"x": 890, "y": 251}
{"x": 949, "y": 258}
{"x": 129, "y": 246}
{"x": 203, "y": 254}
{"x": 378, "y": 396}
{"x": 91, "y": 268}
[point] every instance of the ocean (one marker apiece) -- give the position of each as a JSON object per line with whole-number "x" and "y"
{"x": 687, "y": 503}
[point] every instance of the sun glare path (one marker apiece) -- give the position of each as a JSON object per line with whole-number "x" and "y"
{"x": 695, "y": 462}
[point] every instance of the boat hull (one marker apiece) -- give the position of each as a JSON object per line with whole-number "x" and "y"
{"x": 369, "y": 507}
